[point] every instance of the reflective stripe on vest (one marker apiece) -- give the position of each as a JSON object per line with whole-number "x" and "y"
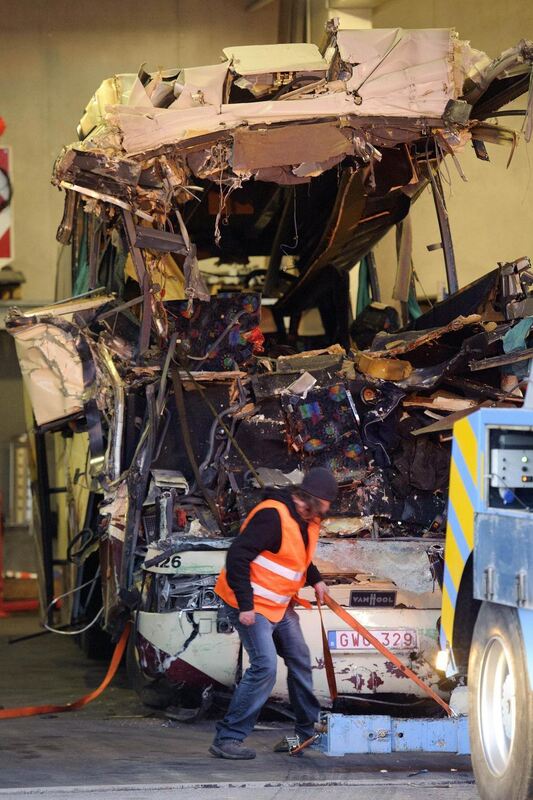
{"x": 262, "y": 591}
{"x": 279, "y": 569}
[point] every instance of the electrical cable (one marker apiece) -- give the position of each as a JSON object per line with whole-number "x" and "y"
{"x": 223, "y": 425}
{"x": 448, "y": 179}
{"x": 431, "y": 175}
{"x": 296, "y": 239}
{"x": 215, "y": 344}
{"x": 73, "y": 591}
{"x": 75, "y": 557}
{"x": 511, "y": 488}
{"x": 161, "y": 434}
{"x": 186, "y": 434}
{"x": 417, "y": 279}
{"x": 66, "y": 594}
{"x": 212, "y": 434}
{"x": 76, "y": 632}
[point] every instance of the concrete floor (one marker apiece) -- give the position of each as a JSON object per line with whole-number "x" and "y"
{"x": 115, "y": 747}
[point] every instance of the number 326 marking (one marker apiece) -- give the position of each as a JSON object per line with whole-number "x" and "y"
{"x": 171, "y": 561}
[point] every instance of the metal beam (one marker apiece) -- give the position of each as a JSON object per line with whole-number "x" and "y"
{"x": 445, "y": 231}
{"x": 46, "y": 521}
{"x": 276, "y": 254}
{"x": 373, "y": 276}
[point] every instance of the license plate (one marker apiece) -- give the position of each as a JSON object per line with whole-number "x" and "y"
{"x": 393, "y": 639}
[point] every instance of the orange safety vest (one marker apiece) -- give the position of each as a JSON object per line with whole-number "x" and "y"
{"x": 275, "y": 577}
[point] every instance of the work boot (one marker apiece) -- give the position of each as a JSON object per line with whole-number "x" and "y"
{"x": 231, "y": 748}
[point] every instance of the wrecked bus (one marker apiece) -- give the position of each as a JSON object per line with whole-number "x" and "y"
{"x": 207, "y": 210}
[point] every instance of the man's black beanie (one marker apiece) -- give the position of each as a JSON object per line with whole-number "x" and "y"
{"x": 319, "y": 482}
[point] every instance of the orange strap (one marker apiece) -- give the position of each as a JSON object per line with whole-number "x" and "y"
{"x": 353, "y": 623}
{"x": 301, "y": 601}
{"x": 31, "y": 711}
{"x": 298, "y": 749}
{"x": 328, "y": 660}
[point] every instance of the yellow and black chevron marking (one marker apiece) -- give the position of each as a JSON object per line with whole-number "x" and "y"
{"x": 465, "y": 485}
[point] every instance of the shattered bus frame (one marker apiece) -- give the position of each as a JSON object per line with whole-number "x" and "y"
{"x": 168, "y": 410}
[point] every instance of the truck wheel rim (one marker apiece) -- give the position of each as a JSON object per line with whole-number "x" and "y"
{"x": 496, "y": 706}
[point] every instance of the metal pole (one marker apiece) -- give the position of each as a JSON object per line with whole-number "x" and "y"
{"x": 45, "y": 513}
{"x": 276, "y": 254}
{"x": 445, "y": 232}
{"x": 373, "y": 276}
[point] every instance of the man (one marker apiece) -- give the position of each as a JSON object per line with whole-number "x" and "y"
{"x": 266, "y": 566}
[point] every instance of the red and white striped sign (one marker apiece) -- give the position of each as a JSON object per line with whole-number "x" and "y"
{"x": 6, "y": 214}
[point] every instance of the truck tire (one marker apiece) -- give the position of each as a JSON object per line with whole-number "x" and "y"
{"x": 501, "y": 706}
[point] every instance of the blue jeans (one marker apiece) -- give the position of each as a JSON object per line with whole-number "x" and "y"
{"x": 263, "y": 642}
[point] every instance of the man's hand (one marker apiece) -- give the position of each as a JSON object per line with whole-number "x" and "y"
{"x": 247, "y": 618}
{"x": 320, "y": 590}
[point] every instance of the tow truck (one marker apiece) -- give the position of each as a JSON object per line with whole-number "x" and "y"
{"x": 487, "y": 600}
{"x": 486, "y": 625}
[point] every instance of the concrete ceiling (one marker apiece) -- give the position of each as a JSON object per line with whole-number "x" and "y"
{"x": 354, "y": 3}
{"x": 254, "y": 5}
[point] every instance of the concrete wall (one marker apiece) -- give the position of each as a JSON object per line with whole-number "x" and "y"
{"x": 55, "y": 53}
{"x": 491, "y": 215}
{"x": 322, "y": 11}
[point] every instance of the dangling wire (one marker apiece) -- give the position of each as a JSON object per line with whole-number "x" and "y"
{"x": 285, "y": 247}
{"x": 448, "y": 179}
{"x": 77, "y": 632}
{"x": 432, "y": 176}
{"x": 66, "y": 594}
{"x": 527, "y": 124}
{"x": 417, "y": 279}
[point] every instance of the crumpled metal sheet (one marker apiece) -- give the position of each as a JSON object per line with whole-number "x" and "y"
{"x": 396, "y": 344}
{"x": 404, "y": 563}
{"x": 396, "y": 71}
{"x": 403, "y": 73}
{"x": 284, "y": 57}
{"x": 201, "y": 85}
{"x": 51, "y": 369}
{"x": 276, "y": 147}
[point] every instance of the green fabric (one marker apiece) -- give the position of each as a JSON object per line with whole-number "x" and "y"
{"x": 515, "y": 340}
{"x": 412, "y": 304}
{"x": 81, "y": 278}
{"x": 116, "y": 281}
{"x": 363, "y": 289}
